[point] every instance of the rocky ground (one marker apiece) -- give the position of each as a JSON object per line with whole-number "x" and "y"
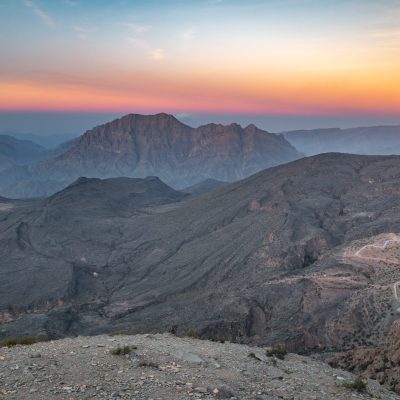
{"x": 164, "y": 366}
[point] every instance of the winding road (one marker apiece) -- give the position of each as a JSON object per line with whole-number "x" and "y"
{"x": 382, "y": 246}
{"x": 395, "y": 290}
{"x": 376, "y": 246}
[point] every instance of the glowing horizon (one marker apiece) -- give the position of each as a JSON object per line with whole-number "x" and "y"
{"x": 298, "y": 57}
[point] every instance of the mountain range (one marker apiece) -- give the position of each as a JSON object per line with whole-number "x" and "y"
{"x": 160, "y": 145}
{"x": 18, "y": 152}
{"x": 46, "y": 141}
{"x": 364, "y": 140}
{"x": 183, "y": 157}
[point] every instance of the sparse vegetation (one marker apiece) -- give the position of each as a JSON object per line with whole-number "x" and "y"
{"x": 122, "y": 350}
{"x": 117, "y": 333}
{"x": 278, "y": 352}
{"x": 148, "y": 364}
{"x": 173, "y": 329}
{"x": 191, "y": 333}
{"x": 254, "y": 355}
{"x": 358, "y": 385}
{"x": 216, "y": 339}
{"x": 25, "y": 341}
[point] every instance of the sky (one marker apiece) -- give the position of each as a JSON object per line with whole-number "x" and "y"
{"x": 283, "y": 60}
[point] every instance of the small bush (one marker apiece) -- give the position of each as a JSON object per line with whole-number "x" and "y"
{"x": 25, "y": 341}
{"x": 278, "y": 352}
{"x": 191, "y": 333}
{"x": 117, "y": 333}
{"x": 149, "y": 364}
{"x": 9, "y": 342}
{"x": 359, "y": 385}
{"x": 216, "y": 339}
{"x": 121, "y": 351}
{"x": 173, "y": 329}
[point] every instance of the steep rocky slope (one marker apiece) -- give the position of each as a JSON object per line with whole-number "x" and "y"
{"x": 365, "y": 140}
{"x": 160, "y": 145}
{"x": 167, "y": 367}
{"x": 274, "y": 258}
{"x": 381, "y": 363}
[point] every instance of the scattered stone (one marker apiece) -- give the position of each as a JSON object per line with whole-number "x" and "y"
{"x": 94, "y": 374}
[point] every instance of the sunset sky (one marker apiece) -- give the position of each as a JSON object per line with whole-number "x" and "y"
{"x": 276, "y": 57}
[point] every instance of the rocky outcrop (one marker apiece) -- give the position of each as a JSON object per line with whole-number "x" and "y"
{"x": 381, "y": 363}
{"x": 155, "y": 145}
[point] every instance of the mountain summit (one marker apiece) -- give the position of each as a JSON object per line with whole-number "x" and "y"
{"x": 157, "y": 145}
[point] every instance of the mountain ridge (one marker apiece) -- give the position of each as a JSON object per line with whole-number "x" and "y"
{"x": 379, "y": 140}
{"x": 15, "y": 151}
{"x": 142, "y": 145}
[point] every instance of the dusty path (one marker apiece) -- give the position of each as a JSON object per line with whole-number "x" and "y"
{"x": 6, "y": 206}
{"x": 376, "y": 246}
{"x": 394, "y": 238}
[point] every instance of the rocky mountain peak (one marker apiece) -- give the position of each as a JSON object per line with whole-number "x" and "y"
{"x": 251, "y": 128}
{"x": 138, "y": 145}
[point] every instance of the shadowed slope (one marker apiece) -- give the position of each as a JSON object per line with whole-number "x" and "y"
{"x": 262, "y": 260}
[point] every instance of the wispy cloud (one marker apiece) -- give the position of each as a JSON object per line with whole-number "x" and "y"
{"x": 385, "y": 38}
{"x": 137, "y": 28}
{"x": 188, "y": 35}
{"x": 155, "y": 54}
{"x": 183, "y": 115}
{"x": 46, "y": 18}
{"x": 71, "y": 2}
{"x": 84, "y": 31}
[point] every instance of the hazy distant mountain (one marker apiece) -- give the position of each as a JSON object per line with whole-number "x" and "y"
{"x": 19, "y": 152}
{"x": 368, "y": 140}
{"x": 47, "y": 141}
{"x": 156, "y": 145}
{"x": 205, "y": 186}
{"x": 288, "y": 255}
{"x": 62, "y": 148}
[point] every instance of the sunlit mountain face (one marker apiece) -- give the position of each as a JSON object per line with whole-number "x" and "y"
{"x": 278, "y": 57}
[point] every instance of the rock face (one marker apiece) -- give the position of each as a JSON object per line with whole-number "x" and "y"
{"x": 159, "y": 145}
{"x": 281, "y": 257}
{"x": 168, "y": 367}
{"x": 369, "y": 140}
